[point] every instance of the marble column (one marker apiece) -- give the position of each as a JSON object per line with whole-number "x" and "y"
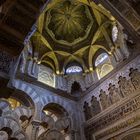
{"x": 75, "y": 135}
{"x": 35, "y": 130}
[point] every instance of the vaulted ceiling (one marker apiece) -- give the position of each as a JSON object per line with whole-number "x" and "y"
{"x": 72, "y": 31}
{"x": 18, "y": 17}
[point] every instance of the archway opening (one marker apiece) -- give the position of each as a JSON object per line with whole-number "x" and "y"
{"x": 55, "y": 111}
{"x": 76, "y": 88}
{"x": 60, "y": 120}
{"x": 17, "y": 98}
{"x": 7, "y": 132}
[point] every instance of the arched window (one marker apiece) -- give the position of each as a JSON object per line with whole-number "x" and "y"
{"x": 101, "y": 58}
{"x": 74, "y": 69}
{"x": 103, "y": 65}
{"x": 114, "y": 33}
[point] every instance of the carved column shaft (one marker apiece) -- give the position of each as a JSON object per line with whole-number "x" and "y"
{"x": 35, "y": 130}
{"x": 74, "y": 135}
{"x": 101, "y": 105}
{"x": 122, "y": 42}
{"x": 113, "y": 60}
{"x": 118, "y": 54}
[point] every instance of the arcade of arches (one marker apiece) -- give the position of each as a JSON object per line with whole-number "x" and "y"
{"x": 69, "y": 70}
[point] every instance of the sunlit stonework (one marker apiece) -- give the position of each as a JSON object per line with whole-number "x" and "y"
{"x": 69, "y": 23}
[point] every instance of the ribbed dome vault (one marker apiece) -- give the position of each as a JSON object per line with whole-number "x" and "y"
{"x": 72, "y": 31}
{"x": 68, "y": 22}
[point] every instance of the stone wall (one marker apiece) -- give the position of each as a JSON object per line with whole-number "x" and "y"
{"x": 113, "y": 106}
{"x": 42, "y": 97}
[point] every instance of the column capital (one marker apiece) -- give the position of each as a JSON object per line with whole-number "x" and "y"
{"x": 35, "y": 123}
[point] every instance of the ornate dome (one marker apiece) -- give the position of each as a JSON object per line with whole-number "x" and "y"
{"x": 69, "y": 22}
{"x": 72, "y": 31}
